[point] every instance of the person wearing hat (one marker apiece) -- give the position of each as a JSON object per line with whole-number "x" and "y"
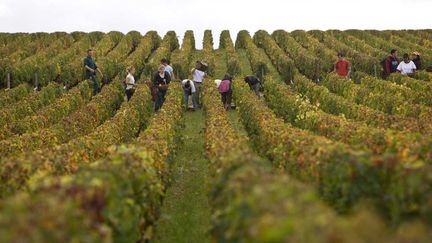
{"x": 407, "y": 67}
{"x": 416, "y": 59}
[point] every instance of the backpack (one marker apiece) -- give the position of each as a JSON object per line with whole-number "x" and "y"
{"x": 224, "y": 86}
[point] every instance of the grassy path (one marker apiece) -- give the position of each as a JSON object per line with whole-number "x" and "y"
{"x": 186, "y": 212}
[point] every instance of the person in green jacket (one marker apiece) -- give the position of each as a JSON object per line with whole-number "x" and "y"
{"x": 90, "y": 71}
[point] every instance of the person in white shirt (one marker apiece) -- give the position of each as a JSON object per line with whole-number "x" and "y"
{"x": 130, "y": 82}
{"x": 168, "y": 67}
{"x": 407, "y": 67}
{"x": 189, "y": 90}
{"x": 198, "y": 78}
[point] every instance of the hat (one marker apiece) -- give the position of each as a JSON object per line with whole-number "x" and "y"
{"x": 416, "y": 53}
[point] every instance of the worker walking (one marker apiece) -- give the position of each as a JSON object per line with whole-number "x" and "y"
{"x": 90, "y": 71}
{"x": 130, "y": 82}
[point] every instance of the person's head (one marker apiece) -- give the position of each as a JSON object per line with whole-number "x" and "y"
{"x": 415, "y": 55}
{"x": 406, "y": 57}
{"x": 161, "y": 69}
{"x": 164, "y": 61}
{"x": 394, "y": 52}
{"x": 341, "y": 56}
{"x": 90, "y": 52}
{"x": 227, "y": 77}
{"x": 197, "y": 64}
{"x": 131, "y": 70}
{"x": 188, "y": 84}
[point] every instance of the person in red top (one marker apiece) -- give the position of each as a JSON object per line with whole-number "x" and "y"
{"x": 342, "y": 66}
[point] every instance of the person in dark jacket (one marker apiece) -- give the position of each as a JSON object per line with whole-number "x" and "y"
{"x": 161, "y": 80}
{"x": 90, "y": 71}
{"x": 416, "y": 59}
{"x": 391, "y": 63}
{"x": 254, "y": 83}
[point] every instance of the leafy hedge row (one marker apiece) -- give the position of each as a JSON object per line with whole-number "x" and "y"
{"x": 359, "y": 61}
{"x": 279, "y": 209}
{"x": 299, "y": 112}
{"x": 256, "y": 56}
{"x": 83, "y": 121}
{"x": 113, "y": 63}
{"x": 342, "y": 175}
{"x": 424, "y": 76}
{"x": 397, "y": 87}
{"x": 182, "y": 58}
{"x": 68, "y": 157}
{"x": 53, "y": 67}
{"x": 149, "y": 43}
{"x": 233, "y": 62}
{"x": 414, "y": 36}
{"x": 375, "y": 41}
{"x": 73, "y": 72}
{"x": 337, "y": 105}
{"x": 421, "y": 89}
{"x": 22, "y": 46}
{"x": 28, "y": 106}
{"x": 25, "y": 70}
{"x": 284, "y": 64}
{"x": 375, "y": 94}
{"x": 402, "y": 192}
{"x": 405, "y": 44}
{"x": 116, "y": 199}
{"x": 357, "y": 44}
{"x": 10, "y": 97}
{"x": 308, "y": 64}
{"x": 167, "y": 46}
{"x": 208, "y": 52}
{"x": 56, "y": 111}
{"x": 327, "y": 56}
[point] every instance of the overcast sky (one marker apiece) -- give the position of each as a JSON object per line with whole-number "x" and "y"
{"x": 181, "y": 15}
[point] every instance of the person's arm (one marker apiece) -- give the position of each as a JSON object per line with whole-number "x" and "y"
{"x": 172, "y": 74}
{"x": 90, "y": 69}
{"x": 193, "y": 71}
{"x": 87, "y": 66}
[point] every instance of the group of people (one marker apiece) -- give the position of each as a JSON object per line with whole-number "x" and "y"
{"x": 162, "y": 78}
{"x": 224, "y": 85}
{"x": 390, "y": 64}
